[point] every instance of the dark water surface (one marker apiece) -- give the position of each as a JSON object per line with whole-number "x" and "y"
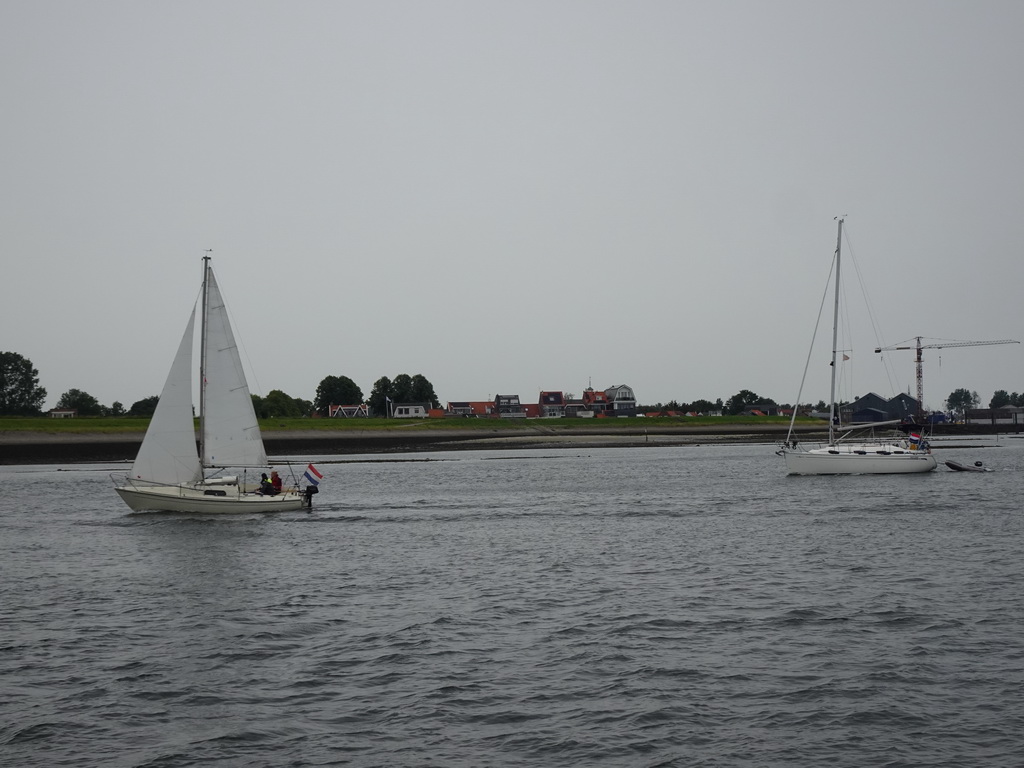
{"x": 621, "y": 607}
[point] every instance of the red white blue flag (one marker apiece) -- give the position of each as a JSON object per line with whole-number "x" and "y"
{"x": 312, "y": 475}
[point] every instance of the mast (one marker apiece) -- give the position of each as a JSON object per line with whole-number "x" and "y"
{"x": 202, "y": 359}
{"x": 833, "y": 418}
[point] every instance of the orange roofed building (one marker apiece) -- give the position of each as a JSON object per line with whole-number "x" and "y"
{"x": 614, "y": 401}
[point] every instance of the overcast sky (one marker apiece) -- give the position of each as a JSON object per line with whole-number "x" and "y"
{"x": 512, "y": 197}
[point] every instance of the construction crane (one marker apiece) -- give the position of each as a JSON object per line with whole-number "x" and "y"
{"x": 944, "y": 345}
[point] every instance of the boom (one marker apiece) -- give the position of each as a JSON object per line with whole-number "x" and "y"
{"x": 943, "y": 345}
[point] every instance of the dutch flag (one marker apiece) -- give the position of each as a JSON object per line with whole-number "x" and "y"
{"x": 312, "y": 475}
{"x": 914, "y": 438}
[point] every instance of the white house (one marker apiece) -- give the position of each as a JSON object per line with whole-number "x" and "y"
{"x": 1008, "y": 414}
{"x": 410, "y": 410}
{"x": 621, "y": 401}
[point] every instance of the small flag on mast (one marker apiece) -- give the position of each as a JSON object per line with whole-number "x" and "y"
{"x": 312, "y": 475}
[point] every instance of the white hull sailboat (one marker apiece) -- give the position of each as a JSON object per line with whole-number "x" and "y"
{"x": 890, "y": 456}
{"x": 169, "y": 472}
{"x": 185, "y": 498}
{"x": 849, "y": 451}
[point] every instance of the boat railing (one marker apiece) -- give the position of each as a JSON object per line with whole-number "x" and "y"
{"x": 139, "y": 484}
{"x": 861, "y": 425}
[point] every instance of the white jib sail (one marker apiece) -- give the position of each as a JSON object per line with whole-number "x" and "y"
{"x": 168, "y": 453}
{"x": 231, "y": 433}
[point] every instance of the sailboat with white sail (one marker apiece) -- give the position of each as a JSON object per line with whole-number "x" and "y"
{"x": 169, "y": 472}
{"x": 853, "y": 449}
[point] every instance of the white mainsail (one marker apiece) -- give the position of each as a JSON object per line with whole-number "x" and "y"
{"x": 231, "y": 435}
{"x": 168, "y": 473}
{"x": 168, "y": 453}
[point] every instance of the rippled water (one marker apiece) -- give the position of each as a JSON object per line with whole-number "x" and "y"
{"x": 619, "y": 607}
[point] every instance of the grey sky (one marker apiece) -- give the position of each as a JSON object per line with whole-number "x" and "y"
{"x": 509, "y": 197}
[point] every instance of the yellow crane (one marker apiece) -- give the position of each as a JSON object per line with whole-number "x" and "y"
{"x": 942, "y": 345}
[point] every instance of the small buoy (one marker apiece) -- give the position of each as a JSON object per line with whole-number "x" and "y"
{"x": 977, "y": 463}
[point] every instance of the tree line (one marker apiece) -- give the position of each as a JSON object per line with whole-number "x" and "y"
{"x": 958, "y": 403}
{"x": 21, "y": 395}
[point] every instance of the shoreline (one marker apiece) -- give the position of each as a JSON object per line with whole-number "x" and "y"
{"x": 27, "y": 447}
{"x": 54, "y": 448}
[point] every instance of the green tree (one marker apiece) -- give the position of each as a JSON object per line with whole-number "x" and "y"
{"x": 423, "y": 391}
{"x": 83, "y": 402}
{"x": 116, "y": 409}
{"x": 258, "y": 406}
{"x": 735, "y": 404}
{"x": 1000, "y": 398}
{"x": 962, "y": 400}
{"x": 401, "y": 389}
{"x": 20, "y": 393}
{"x": 278, "y": 405}
{"x": 336, "y": 390}
{"x": 380, "y": 394}
{"x": 144, "y": 407}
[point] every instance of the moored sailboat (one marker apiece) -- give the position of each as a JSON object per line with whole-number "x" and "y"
{"x": 169, "y": 472}
{"x": 854, "y": 449}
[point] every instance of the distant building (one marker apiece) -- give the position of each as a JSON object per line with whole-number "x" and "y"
{"x": 574, "y": 407}
{"x": 874, "y": 408}
{"x": 552, "y": 404}
{"x": 614, "y": 401}
{"x": 63, "y": 413}
{"x": 595, "y": 401}
{"x": 469, "y": 408}
{"x": 410, "y": 410}
{"x": 761, "y": 409}
{"x": 1009, "y": 415}
{"x": 509, "y": 407}
{"x": 903, "y": 406}
{"x": 360, "y": 411}
{"x": 621, "y": 401}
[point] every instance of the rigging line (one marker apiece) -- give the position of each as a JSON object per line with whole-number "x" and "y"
{"x": 810, "y": 351}
{"x": 891, "y": 378}
{"x": 844, "y": 376}
{"x": 240, "y": 344}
